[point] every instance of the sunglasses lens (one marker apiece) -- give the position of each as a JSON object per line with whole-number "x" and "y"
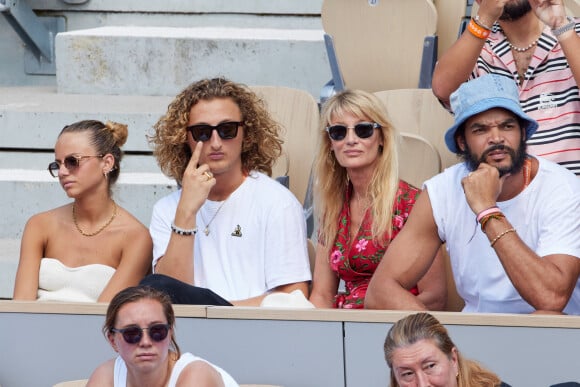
{"x": 71, "y": 163}
{"x": 228, "y": 130}
{"x": 158, "y": 332}
{"x": 337, "y": 132}
{"x": 132, "y": 335}
{"x": 364, "y": 130}
{"x": 53, "y": 168}
{"x": 200, "y": 132}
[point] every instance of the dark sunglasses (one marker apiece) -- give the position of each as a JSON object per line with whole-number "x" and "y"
{"x": 226, "y": 130}
{"x": 70, "y": 162}
{"x": 362, "y": 130}
{"x": 133, "y": 335}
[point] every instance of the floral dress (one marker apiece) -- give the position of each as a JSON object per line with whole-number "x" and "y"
{"x": 357, "y": 265}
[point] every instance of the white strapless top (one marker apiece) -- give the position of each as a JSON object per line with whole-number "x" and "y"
{"x": 58, "y": 282}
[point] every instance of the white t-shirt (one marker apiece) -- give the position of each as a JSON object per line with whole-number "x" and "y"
{"x": 120, "y": 371}
{"x": 545, "y": 216}
{"x": 257, "y": 239}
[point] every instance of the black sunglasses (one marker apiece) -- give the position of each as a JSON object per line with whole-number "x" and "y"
{"x": 133, "y": 335}
{"x": 362, "y": 130}
{"x": 226, "y": 130}
{"x": 70, "y": 162}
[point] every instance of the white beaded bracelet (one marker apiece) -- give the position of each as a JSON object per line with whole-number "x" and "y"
{"x": 183, "y": 231}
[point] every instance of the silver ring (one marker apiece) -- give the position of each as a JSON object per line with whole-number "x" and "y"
{"x": 208, "y": 174}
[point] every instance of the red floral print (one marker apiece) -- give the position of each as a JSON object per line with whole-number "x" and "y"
{"x": 357, "y": 265}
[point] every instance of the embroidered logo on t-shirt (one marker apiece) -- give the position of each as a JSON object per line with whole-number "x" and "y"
{"x": 237, "y": 231}
{"x": 547, "y": 101}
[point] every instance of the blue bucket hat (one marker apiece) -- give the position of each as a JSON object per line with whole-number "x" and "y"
{"x": 481, "y": 94}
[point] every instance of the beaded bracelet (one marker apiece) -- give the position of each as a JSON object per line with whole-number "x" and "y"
{"x": 183, "y": 231}
{"x": 497, "y": 238}
{"x": 477, "y": 31}
{"x": 486, "y": 218}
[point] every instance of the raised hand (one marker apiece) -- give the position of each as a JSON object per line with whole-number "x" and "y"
{"x": 551, "y": 12}
{"x": 196, "y": 185}
{"x": 490, "y": 10}
{"x": 482, "y": 187}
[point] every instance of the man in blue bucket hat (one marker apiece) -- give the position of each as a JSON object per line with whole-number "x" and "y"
{"x": 509, "y": 220}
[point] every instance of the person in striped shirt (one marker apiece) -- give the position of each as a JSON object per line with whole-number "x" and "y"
{"x": 538, "y": 46}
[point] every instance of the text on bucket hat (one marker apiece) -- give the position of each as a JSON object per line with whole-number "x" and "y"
{"x": 481, "y": 94}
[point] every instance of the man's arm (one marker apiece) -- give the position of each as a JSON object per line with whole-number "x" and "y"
{"x": 177, "y": 262}
{"x": 406, "y": 261}
{"x": 457, "y": 63}
{"x": 553, "y": 14}
{"x": 546, "y": 283}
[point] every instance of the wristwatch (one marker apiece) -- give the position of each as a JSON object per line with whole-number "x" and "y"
{"x": 566, "y": 27}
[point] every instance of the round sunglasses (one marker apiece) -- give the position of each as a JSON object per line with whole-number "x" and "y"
{"x": 134, "y": 334}
{"x": 70, "y": 162}
{"x": 362, "y": 130}
{"x": 226, "y": 130}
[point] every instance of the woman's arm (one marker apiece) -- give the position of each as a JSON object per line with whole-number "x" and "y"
{"x": 135, "y": 262}
{"x": 31, "y": 252}
{"x": 325, "y": 281}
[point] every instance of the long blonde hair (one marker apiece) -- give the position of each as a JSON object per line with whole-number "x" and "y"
{"x": 424, "y": 326}
{"x": 331, "y": 180}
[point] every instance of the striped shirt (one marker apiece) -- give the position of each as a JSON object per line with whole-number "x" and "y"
{"x": 548, "y": 94}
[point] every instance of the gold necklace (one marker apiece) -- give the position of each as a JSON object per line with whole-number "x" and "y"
{"x": 206, "y": 229}
{"x": 90, "y": 234}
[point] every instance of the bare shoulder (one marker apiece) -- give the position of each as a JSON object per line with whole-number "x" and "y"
{"x": 103, "y": 375}
{"x": 130, "y": 221}
{"x": 201, "y": 374}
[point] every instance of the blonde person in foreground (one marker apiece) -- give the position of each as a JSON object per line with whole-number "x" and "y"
{"x": 140, "y": 327}
{"x": 361, "y": 203}
{"x": 510, "y": 220}
{"x": 90, "y": 249}
{"x": 420, "y": 352}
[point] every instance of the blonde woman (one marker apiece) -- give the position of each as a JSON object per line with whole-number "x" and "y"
{"x": 361, "y": 203}
{"x": 419, "y": 351}
{"x": 90, "y": 249}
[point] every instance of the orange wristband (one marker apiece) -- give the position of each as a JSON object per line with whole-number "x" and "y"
{"x": 477, "y": 31}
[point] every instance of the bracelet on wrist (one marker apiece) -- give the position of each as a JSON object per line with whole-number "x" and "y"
{"x": 487, "y": 211}
{"x": 478, "y": 21}
{"x": 487, "y": 218}
{"x": 477, "y": 31}
{"x": 564, "y": 28}
{"x": 183, "y": 231}
{"x": 501, "y": 235}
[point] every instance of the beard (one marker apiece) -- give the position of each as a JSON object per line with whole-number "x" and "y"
{"x": 513, "y": 12}
{"x": 518, "y": 158}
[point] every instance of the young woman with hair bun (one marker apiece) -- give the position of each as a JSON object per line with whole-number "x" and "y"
{"x": 90, "y": 249}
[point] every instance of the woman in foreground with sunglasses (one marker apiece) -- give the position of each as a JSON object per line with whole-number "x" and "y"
{"x": 361, "y": 203}
{"x": 89, "y": 249}
{"x": 140, "y": 327}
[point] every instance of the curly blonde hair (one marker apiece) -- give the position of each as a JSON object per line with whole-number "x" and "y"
{"x": 424, "y": 326}
{"x": 261, "y": 145}
{"x": 331, "y": 179}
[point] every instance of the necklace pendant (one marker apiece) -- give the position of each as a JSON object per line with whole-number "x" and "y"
{"x": 206, "y": 231}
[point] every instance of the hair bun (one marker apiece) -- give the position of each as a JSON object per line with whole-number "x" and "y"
{"x": 119, "y": 131}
